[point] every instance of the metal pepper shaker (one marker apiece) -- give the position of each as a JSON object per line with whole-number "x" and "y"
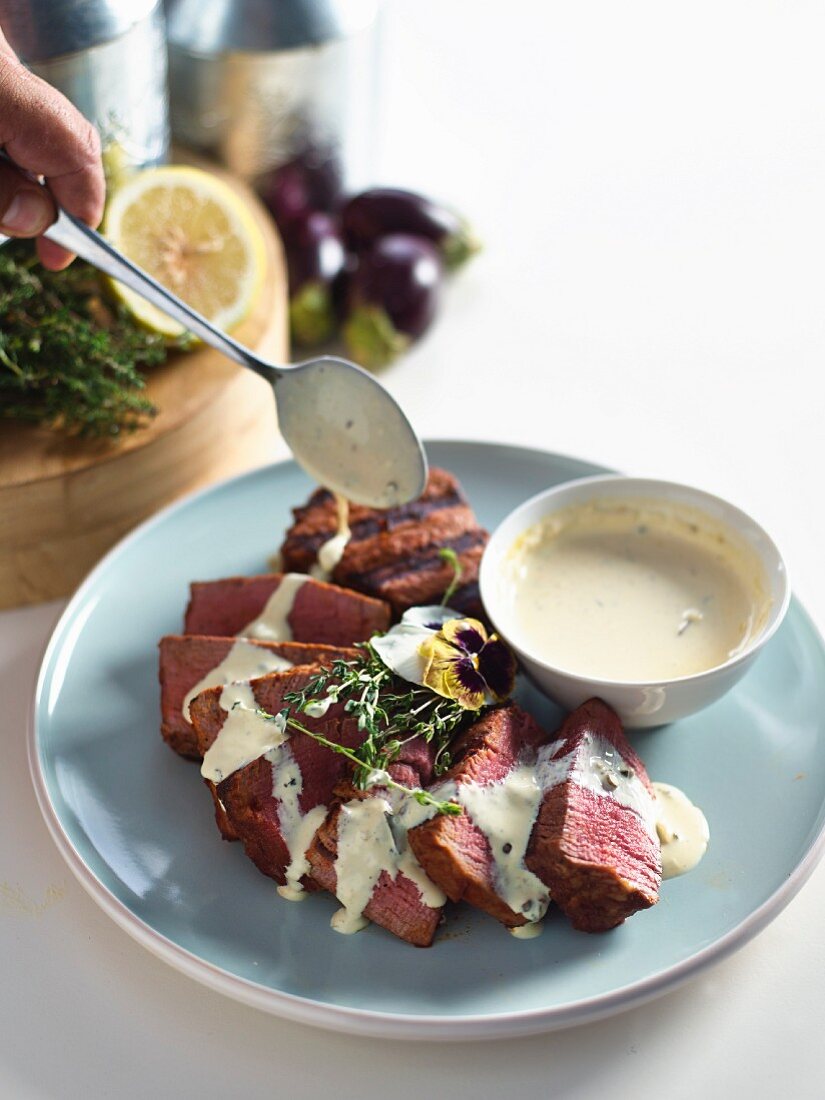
{"x": 258, "y": 84}
{"x": 109, "y": 58}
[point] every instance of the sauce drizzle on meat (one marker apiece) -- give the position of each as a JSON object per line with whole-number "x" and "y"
{"x": 372, "y": 839}
{"x": 242, "y": 662}
{"x": 272, "y": 625}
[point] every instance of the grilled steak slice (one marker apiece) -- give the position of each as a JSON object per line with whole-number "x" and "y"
{"x": 394, "y": 554}
{"x": 456, "y": 853}
{"x": 260, "y": 804}
{"x": 320, "y": 613}
{"x": 396, "y": 902}
{"x": 594, "y": 842}
{"x": 186, "y": 660}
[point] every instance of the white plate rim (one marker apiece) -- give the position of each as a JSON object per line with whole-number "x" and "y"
{"x": 365, "y": 1022}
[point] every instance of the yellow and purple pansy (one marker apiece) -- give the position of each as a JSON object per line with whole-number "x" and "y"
{"x": 453, "y": 656}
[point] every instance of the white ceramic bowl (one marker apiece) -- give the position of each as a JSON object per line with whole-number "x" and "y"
{"x": 638, "y": 703}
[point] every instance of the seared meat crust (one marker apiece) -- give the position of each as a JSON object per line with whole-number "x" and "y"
{"x": 394, "y": 555}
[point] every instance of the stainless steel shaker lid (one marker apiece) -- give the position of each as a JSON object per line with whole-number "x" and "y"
{"x": 212, "y": 27}
{"x": 38, "y": 30}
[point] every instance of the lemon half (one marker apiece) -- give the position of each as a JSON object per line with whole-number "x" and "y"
{"x": 195, "y": 235}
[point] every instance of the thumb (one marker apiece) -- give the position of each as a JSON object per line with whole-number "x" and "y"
{"x": 26, "y": 209}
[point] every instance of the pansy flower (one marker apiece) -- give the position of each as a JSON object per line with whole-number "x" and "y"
{"x": 465, "y": 664}
{"x": 399, "y": 647}
{"x": 452, "y": 656}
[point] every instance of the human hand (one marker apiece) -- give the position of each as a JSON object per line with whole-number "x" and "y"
{"x": 43, "y": 133}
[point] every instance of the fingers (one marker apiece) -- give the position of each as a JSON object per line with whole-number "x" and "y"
{"x": 45, "y": 134}
{"x": 26, "y": 210}
{"x": 52, "y": 256}
{"x": 4, "y": 46}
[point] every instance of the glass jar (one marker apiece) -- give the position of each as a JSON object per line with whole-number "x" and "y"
{"x": 109, "y": 58}
{"x": 268, "y": 87}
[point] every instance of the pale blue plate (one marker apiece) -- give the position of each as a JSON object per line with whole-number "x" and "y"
{"x": 135, "y": 822}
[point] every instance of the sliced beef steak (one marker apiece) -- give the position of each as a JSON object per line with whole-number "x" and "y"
{"x": 186, "y": 660}
{"x": 318, "y": 613}
{"x": 394, "y": 554}
{"x": 266, "y": 803}
{"x": 396, "y": 902}
{"x": 456, "y": 853}
{"x": 594, "y": 842}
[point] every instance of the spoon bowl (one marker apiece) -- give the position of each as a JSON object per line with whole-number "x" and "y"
{"x": 355, "y": 438}
{"x": 343, "y": 427}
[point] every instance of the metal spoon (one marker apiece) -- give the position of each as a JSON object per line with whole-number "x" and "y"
{"x": 342, "y": 426}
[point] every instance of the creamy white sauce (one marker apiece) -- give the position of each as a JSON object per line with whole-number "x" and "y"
{"x": 317, "y": 708}
{"x": 333, "y": 549}
{"x": 272, "y": 625}
{"x": 244, "y": 661}
{"x": 292, "y": 893}
{"x": 328, "y": 557}
{"x": 407, "y": 815}
{"x": 347, "y": 923}
{"x": 505, "y": 812}
{"x": 633, "y": 590}
{"x": 597, "y": 766}
{"x": 244, "y": 736}
{"x": 356, "y": 440}
{"x": 297, "y": 828}
{"x": 527, "y": 931}
{"x": 682, "y": 830}
{"x": 366, "y": 848}
{"x": 372, "y": 837}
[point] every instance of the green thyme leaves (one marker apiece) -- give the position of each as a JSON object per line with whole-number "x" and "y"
{"x": 69, "y": 359}
{"x": 389, "y": 711}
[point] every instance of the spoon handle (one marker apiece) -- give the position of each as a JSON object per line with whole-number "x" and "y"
{"x": 70, "y": 233}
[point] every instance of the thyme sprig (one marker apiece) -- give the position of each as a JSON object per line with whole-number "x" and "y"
{"x": 377, "y": 777}
{"x": 68, "y": 357}
{"x": 448, "y": 555}
{"x": 389, "y": 711}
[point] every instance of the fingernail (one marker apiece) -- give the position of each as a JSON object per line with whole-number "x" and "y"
{"x": 27, "y": 215}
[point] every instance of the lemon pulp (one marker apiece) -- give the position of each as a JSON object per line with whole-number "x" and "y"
{"x": 195, "y": 235}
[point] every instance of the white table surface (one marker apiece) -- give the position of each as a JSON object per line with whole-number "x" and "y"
{"x": 649, "y": 181}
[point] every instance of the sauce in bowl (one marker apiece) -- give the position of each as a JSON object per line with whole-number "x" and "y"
{"x": 633, "y": 590}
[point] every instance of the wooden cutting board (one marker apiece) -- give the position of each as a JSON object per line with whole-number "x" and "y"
{"x": 63, "y": 503}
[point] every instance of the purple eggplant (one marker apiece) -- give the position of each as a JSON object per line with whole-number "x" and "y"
{"x": 393, "y": 297}
{"x": 310, "y": 181}
{"x": 315, "y": 263}
{"x": 382, "y": 210}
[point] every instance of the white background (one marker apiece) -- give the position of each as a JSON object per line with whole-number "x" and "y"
{"x": 649, "y": 179}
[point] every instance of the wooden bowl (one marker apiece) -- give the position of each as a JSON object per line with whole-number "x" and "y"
{"x": 64, "y": 502}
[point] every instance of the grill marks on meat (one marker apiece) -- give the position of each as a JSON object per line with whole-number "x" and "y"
{"x": 596, "y": 855}
{"x": 185, "y": 659}
{"x": 246, "y": 808}
{"x": 453, "y": 850}
{"x": 311, "y": 527}
{"x": 394, "y": 554}
{"x": 321, "y": 613}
